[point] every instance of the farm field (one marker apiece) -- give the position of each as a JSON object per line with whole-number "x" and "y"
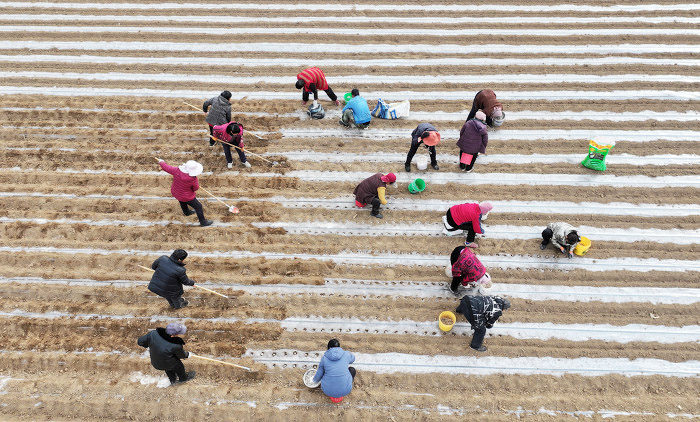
{"x": 92, "y": 91}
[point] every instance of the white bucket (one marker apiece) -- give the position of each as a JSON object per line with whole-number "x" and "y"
{"x": 309, "y": 379}
{"x": 422, "y": 162}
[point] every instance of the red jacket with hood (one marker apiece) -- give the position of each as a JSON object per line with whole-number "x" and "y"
{"x": 467, "y": 212}
{"x": 184, "y": 186}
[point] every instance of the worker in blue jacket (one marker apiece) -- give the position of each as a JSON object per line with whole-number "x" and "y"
{"x": 356, "y": 112}
{"x": 334, "y": 372}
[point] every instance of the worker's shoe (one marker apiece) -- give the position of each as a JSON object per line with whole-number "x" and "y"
{"x": 247, "y": 164}
{"x": 435, "y": 166}
{"x": 189, "y": 212}
{"x": 229, "y": 165}
{"x": 190, "y": 375}
{"x": 407, "y": 166}
{"x": 377, "y": 215}
{"x": 480, "y": 349}
{"x": 543, "y": 246}
{"x": 342, "y": 123}
{"x": 206, "y": 223}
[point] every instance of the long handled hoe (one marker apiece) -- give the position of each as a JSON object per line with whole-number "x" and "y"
{"x": 199, "y": 109}
{"x": 273, "y": 163}
{"x": 220, "y": 361}
{"x": 203, "y": 288}
{"x": 231, "y": 208}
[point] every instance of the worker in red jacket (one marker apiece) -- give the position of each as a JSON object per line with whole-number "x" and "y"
{"x": 466, "y": 217}
{"x": 311, "y": 80}
{"x": 184, "y": 188}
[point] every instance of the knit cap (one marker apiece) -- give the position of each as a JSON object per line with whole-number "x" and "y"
{"x": 389, "y": 178}
{"x": 480, "y": 116}
{"x": 175, "y": 328}
{"x": 485, "y": 207}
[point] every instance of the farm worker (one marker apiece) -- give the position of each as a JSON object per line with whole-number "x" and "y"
{"x": 356, "y": 112}
{"x": 166, "y": 349}
{"x": 482, "y": 312}
{"x": 232, "y": 133}
{"x": 169, "y": 277}
{"x": 334, "y": 372}
{"x": 467, "y": 269}
{"x": 311, "y": 80}
{"x": 425, "y": 134}
{"x": 486, "y": 101}
{"x": 563, "y": 236}
{"x": 473, "y": 140}
{"x": 220, "y": 112}
{"x": 184, "y": 186}
{"x": 466, "y": 217}
{"x": 372, "y": 190}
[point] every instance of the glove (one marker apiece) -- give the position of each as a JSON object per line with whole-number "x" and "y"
{"x": 571, "y": 254}
{"x": 188, "y": 354}
{"x": 562, "y": 250}
{"x": 489, "y": 325}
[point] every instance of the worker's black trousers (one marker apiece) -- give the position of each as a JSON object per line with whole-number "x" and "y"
{"x": 197, "y": 208}
{"x": 468, "y": 226}
{"x": 229, "y": 158}
{"x": 353, "y": 372}
{"x": 175, "y": 302}
{"x": 376, "y": 203}
{"x": 414, "y": 148}
{"x": 329, "y": 92}
{"x": 177, "y": 372}
{"x": 478, "y": 337}
{"x": 547, "y": 236}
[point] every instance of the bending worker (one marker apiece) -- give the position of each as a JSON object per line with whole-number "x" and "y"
{"x": 425, "y": 134}
{"x": 356, "y": 112}
{"x": 482, "y": 312}
{"x": 166, "y": 349}
{"x": 372, "y": 190}
{"x": 311, "y": 80}
{"x": 486, "y": 101}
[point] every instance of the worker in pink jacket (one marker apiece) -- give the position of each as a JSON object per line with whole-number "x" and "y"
{"x": 466, "y": 217}
{"x": 184, "y": 188}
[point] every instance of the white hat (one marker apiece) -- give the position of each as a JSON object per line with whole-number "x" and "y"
{"x": 192, "y": 168}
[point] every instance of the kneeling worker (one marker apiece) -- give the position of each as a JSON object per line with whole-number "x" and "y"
{"x": 334, "y": 372}
{"x": 356, "y": 112}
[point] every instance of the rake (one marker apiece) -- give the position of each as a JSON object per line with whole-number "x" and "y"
{"x": 273, "y": 163}
{"x": 231, "y": 208}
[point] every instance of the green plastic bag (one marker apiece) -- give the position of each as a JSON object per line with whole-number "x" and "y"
{"x": 595, "y": 159}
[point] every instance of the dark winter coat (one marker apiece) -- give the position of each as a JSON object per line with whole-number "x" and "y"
{"x": 166, "y": 351}
{"x": 481, "y": 311}
{"x": 220, "y": 112}
{"x": 169, "y": 277}
{"x": 367, "y": 190}
{"x": 336, "y": 380}
{"x": 473, "y": 137}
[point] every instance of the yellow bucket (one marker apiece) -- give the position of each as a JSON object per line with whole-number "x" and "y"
{"x": 582, "y": 246}
{"x": 446, "y": 315}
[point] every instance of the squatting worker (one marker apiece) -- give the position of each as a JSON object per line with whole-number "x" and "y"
{"x": 334, "y": 372}
{"x": 356, "y": 112}
{"x": 372, "y": 190}
{"x": 184, "y": 188}
{"x": 166, "y": 349}
{"x": 169, "y": 277}
{"x": 311, "y": 80}
{"x": 220, "y": 112}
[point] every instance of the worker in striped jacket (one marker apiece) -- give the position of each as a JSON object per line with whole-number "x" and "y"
{"x": 311, "y": 80}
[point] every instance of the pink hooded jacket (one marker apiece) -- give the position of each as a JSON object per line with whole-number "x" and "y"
{"x": 184, "y": 186}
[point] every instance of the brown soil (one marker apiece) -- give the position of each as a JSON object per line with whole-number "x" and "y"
{"x": 80, "y": 368}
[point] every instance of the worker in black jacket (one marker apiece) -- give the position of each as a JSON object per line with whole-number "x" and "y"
{"x": 168, "y": 278}
{"x": 482, "y": 312}
{"x": 166, "y": 349}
